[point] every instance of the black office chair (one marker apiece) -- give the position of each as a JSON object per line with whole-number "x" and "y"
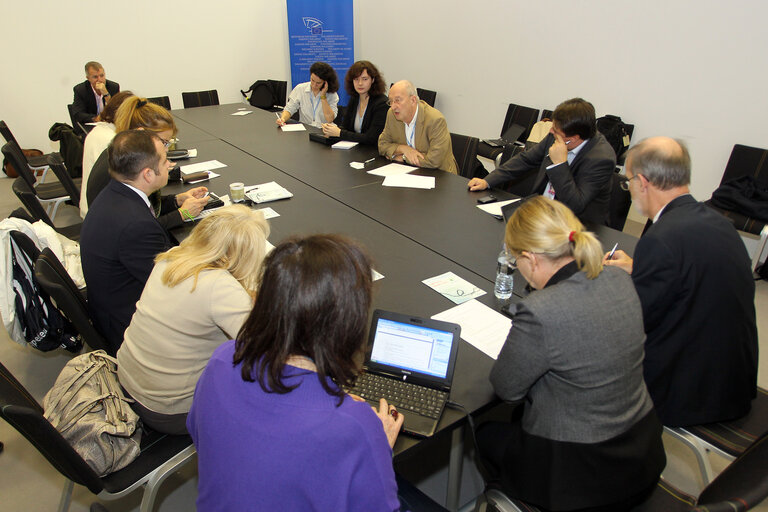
{"x": 163, "y": 101}
{"x": 37, "y": 212}
{"x": 161, "y": 454}
{"x": 51, "y": 194}
{"x": 79, "y": 128}
{"x": 746, "y": 161}
{"x": 38, "y": 163}
{"x": 547, "y": 114}
{"x": 465, "y": 152}
{"x": 427, "y": 95}
{"x": 200, "y": 98}
{"x": 516, "y": 114}
{"x": 740, "y": 487}
{"x": 619, "y": 203}
{"x": 54, "y": 279}
{"x": 728, "y": 439}
{"x": 72, "y": 186}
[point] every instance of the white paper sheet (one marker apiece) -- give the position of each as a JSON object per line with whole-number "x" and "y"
{"x": 495, "y": 208}
{"x": 357, "y": 165}
{"x": 269, "y": 213}
{"x": 192, "y": 153}
{"x": 296, "y": 127}
{"x": 453, "y": 287}
{"x": 409, "y": 181}
{"x": 392, "y": 169}
{"x": 202, "y": 166}
{"x": 481, "y": 326}
{"x": 242, "y": 112}
{"x": 344, "y": 144}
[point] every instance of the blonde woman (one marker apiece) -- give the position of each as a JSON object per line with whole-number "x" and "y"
{"x": 137, "y": 113}
{"x": 587, "y": 437}
{"x": 197, "y": 297}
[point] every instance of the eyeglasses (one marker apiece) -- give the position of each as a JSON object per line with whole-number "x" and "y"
{"x": 396, "y": 101}
{"x": 511, "y": 261}
{"x": 624, "y": 184}
{"x": 166, "y": 143}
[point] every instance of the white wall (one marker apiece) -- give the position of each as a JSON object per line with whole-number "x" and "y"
{"x": 685, "y": 68}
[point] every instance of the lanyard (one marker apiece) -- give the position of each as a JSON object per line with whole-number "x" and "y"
{"x": 314, "y": 106}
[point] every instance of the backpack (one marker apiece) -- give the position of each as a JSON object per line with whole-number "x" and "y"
{"x": 616, "y": 132}
{"x": 41, "y": 323}
{"x": 264, "y": 94}
{"x": 88, "y": 407}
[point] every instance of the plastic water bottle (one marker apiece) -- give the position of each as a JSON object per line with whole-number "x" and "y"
{"x": 504, "y": 278}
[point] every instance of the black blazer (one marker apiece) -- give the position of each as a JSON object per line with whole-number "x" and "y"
{"x": 584, "y": 185}
{"x": 374, "y": 119}
{"x": 694, "y": 279}
{"x": 119, "y": 240}
{"x": 84, "y": 105}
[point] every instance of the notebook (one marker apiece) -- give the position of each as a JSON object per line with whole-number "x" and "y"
{"x": 410, "y": 363}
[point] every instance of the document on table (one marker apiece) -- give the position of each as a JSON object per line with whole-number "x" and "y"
{"x": 267, "y": 192}
{"x": 242, "y": 112}
{"x": 344, "y": 144}
{"x": 453, "y": 287}
{"x": 392, "y": 169}
{"x": 295, "y": 127}
{"x": 202, "y": 166}
{"x": 495, "y": 208}
{"x": 268, "y": 212}
{"x": 481, "y": 326}
{"x": 409, "y": 181}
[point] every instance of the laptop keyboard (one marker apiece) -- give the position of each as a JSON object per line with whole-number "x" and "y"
{"x": 403, "y": 395}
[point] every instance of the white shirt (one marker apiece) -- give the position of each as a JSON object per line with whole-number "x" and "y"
{"x": 95, "y": 143}
{"x": 410, "y": 130}
{"x": 141, "y": 195}
{"x": 309, "y": 106}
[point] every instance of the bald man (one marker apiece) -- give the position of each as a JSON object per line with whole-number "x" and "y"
{"x": 694, "y": 279}
{"x": 415, "y": 133}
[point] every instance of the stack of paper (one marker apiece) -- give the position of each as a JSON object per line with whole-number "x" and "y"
{"x": 392, "y": 169}
{"x": 201, "y": 167}
{"x": 267, "y": 192}
{"x": 409, "y": 181}
{"x": 344, "y": 144}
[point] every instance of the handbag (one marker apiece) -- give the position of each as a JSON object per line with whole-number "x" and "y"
{"x": 88, "y": 407}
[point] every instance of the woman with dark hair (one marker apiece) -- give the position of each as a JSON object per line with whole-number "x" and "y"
{"x": 366, "y": 114}
{"x": 588, "y": 438}
{"x": 270, "y": 420}
{"x": 316, "y": 100}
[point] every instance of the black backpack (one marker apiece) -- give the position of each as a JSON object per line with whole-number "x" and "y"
{"x": 616, "y": 132}
{"x": 263, "y": 94}
{"x": 42, "y": 324}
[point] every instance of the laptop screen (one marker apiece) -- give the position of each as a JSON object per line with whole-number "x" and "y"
{"x": 412, "y": 347}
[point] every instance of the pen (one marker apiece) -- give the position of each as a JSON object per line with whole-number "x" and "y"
{"x": 369, "y": 160}
{"x": 610, "y": 254}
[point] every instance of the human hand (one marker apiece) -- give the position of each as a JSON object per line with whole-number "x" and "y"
{"x": 101, "y": 88}
{"x": 477, "y": 184}
{"x": 355, "y": 397}
{"x": 194, "y": 205}
{"x": 391, "y": 420}
{"x": 412, "y": 156}
{"x": 198, "y": 192}
{"x": 280, "y": 121}
{"x": 620, "y": 259}
{"x": 558, "y": 151}
{"x": 331, "y": 130}
{"x": 324, "y": 90}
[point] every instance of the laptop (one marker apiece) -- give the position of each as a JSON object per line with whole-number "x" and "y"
{"x": 410, "y": 363}
{"x": 510, "y": 135}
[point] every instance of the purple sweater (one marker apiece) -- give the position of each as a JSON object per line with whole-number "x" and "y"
{"x": 296, "y": 451}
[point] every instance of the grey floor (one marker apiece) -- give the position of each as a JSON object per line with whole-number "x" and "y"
{"x": 29, "y": 483}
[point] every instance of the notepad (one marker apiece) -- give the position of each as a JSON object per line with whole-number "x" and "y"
{"x": 392, "y": 169}
{"x": 297, "y": 127}
{"x": 267, "y": 192}
{"x": 344, "y": 144}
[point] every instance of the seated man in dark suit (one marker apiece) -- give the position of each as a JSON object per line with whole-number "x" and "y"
{"x": 121, "y": 236}
{"x": 574, "y": 163}
{"x": 93, "y": 94}
{"x": 694, "y": 278}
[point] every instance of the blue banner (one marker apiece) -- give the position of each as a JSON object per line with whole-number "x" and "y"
{"x": 321, "y": 30}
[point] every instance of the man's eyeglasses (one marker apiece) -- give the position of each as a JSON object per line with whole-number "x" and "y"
{"x": 395, "y": 101}
{"x": 624, "y": 184}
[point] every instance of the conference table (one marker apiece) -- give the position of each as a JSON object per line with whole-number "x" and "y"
{"x": 412, "y": 234}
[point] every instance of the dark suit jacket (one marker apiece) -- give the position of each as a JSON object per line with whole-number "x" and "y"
{"x": 374, "y": 119}
{"x": 119, "y": 240}
{"x": 584, "y": 185}
{"x": 693, "y": 276}
{"x": 84, "y": 104}
{"x": 167, "y": 210}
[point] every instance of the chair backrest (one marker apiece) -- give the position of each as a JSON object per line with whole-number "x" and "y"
{"x": 741, "y": 485}
{"x": 547, "y": 114}
{"x": 280, "y": 88}
{"x": 619, "y": 203}
{"x": 524, "y": 116}
{"x": 25, "y": 244}
{"x": 6, "y": 133}
{"x": 427, "y": 95}
{"x": 29, "y": 199}
{"x": 163, "y": 101}
{"x": 15, "y": 156}
{"x": 54, "y": 279}
{"x": 747, "y": 161}
{"x": 22, "y": 412}
{"x": 56, "y": 164}
{"x": 465, "y": 152}
{"x": 200, "y": 98}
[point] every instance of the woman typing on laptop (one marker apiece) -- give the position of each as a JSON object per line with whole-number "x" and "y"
{"x": 588, "y": 439}
{"x": 270, "y": 420}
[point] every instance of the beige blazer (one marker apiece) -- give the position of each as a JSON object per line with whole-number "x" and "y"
{"x": 432, "y": 138}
